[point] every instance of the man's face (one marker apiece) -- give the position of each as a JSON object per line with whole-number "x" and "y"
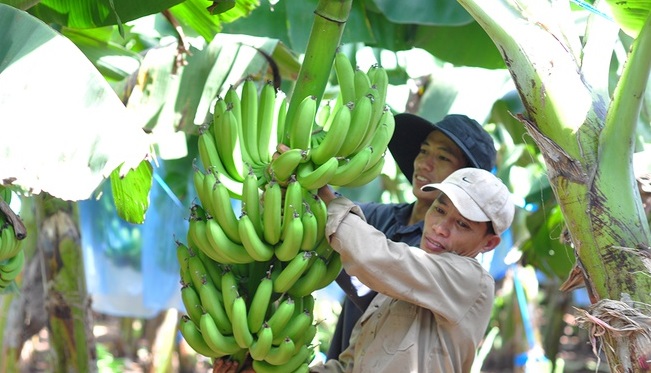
{"x": 438, "y": 157}
{"x": 446, "y": 230}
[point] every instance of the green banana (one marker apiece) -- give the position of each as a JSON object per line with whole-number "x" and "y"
{"x": 381, "y": 137}
{"x": 182, "y": 255}
{"x": 307, "y": 337}
{"x": 228, "y": 144}
{"x": 272, "y": 212}
{"x": 333, "y": 270}
{"x": 249, "y": 101}
{"x": 297, "y": 360}
{"x": 308, "y": 303}
{"x": 283, "y": 166}
{"x": 323, "y": 249}
{"x": 368, "y": 175}
{"x": 289, "y": 247}
{"x": 232, "y": 99}
{"x": 209, "y": 180}
{"x": 192, "y": 302}
{"x": 377, "y": 108}
{"x": 251, "y": 203}
{"x": 297, "y": 326}
{"x": 241, "y": 331}
{"x": 213, "y": 267}
{"x": 380, "y": 81}
{"x": 322, "y": 114}
{"x": 266, "y": 120}
{"x": 310, "y": 227}
{"x": 192, "y": 335}
{"x": 281, "y": 315}
{"x": 352, "y": 167}
{"x": 216, "y": 340}
{"x": 310, "y": 280}
{"x": 335, "y": 136}
{"x": 293, "y": 202}
{"x": 293, "y": 271}
{"x": 279, "y": 355}
{"x": 197, "y": 270}
{"x": 262, "y": 343}
{"x": 11, "y": 268}
{"x": 359, "y": 123}
{"x": 198, "y": 238}
{"x": 198, "y": 179}
{"x": 230, "y": 291}
{"x": 300, "y": 128}
{"x": 260, "y": 303}
{"x": 258, "y": 249}
{"x": 223, "y": 211}
{"x": 10, "y": 245}
{"x": 345, "y": 73}
{"x": 361, "y": 81}
{"x": 224, "y": 250}
{"x": 211, "y": 301}
{"x": 281, "y": 136}
{"x": 312, "y": 178}
{"x": 320, "y": 211}
{"x": 208, "y": 154}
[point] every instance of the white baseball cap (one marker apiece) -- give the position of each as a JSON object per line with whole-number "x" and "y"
{"x": 479, "y": 196}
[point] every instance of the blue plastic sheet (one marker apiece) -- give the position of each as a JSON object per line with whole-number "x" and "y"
{"x": 132, "y": 270}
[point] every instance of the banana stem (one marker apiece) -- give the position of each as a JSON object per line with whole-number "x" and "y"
{"x": 330, "y": 19}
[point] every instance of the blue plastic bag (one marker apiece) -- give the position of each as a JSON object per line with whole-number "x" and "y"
{"x": 132, "y": 270}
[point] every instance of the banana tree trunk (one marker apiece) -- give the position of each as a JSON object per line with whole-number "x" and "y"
{"x": 67, "y": 302}
{"x": 587, "y": 143}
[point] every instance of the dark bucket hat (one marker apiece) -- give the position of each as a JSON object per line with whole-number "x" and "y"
{"x": 411, "y": 130}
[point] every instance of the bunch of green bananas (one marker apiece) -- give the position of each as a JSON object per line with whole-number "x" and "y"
{"x": 248, "y": 279}
{"x": 12, "y": 257}
{"x": 240, "y": 310}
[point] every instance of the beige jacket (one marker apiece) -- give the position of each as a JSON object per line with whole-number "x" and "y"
{"x": 431, "y": 312}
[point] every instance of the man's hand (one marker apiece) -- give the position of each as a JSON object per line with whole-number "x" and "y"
{"x": 327, "y": 194}
{"x": 229, "y": 366}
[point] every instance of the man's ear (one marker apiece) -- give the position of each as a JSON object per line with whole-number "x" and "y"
{"x": 491, "y": 243}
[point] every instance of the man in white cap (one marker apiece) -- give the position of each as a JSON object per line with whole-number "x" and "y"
{"x": 434, "y": 302}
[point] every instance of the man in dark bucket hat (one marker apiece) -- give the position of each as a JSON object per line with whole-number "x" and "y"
{"x": 426, "y": 153}
{"x": 476, "y": 144}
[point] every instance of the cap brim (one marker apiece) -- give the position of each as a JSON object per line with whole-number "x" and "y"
{"x": 464, "y": 203}
{"x": 410, "y": 132}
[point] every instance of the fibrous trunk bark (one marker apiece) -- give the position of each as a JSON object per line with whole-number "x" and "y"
{"x": 67, "y": 303}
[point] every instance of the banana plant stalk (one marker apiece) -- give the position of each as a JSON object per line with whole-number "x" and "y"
{"x": 68, "y": 305}
{"x": 330, "y": 19}
{"x": 587, "y": 142}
